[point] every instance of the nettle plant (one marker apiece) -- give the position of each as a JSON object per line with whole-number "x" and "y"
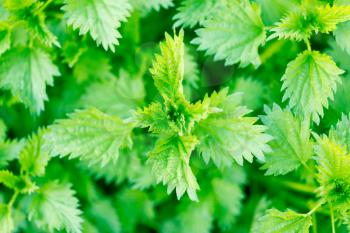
{"x": 132, "y": 129}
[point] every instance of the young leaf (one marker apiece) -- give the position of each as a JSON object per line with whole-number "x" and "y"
{"x": 26, "y": 72}
{"x": 6, "y": 221}
{"x": 227, "y": 135}
{"x": 101, "y": 18}
{"x": 168, "y": 67}
{"x": 291, "y": 145}
{"x": 308, "y": 83}
{"x": 333, "y": 173}
{"x": 90, "y": 135}
{"x": 55, "y": 208}
{"x": 234, "y": 35}
{"x": 33, "y": 159}
{"x": 300, "y": 24}
{"x": 275, "y": 221}
{"x": 169, "y": 161}
{"x": 8, "y": 179}
{"x": 153, "y": 117}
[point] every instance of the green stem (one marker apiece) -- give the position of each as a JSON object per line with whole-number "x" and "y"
{"x": 13, "y": 199}
{"x": 46, "y": 4}
{"x": 316, "y": 207}
{"x": 308, "y": 45}
{"x": 314, "y": 223}
{"x": 332, "y": 218}
{"x": 299, "y": 187}
{"x": 271, "y": 50}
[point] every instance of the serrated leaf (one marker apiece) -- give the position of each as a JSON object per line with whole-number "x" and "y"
{"x": 55, "y": 208}
{"x": 342, "y": 33}
{"x": 341, "y": 132}
{"x": 89, "y": 135}
{"x": 101, "y": 18}
{"x": 168, "y": 67}
{"x": 275, "y": 221}
{"x": 227, "y": 135}
{"x": 333, "y": 172}
{"x": 233, "y": 35}
{"x": 309, "y": 81}
{"x": 193, "y": 12}
{"x": 117, "y": 97}
{"x": 11, "y": 181}
{"x": 291, "y": 145}
{"x": 153, "y": 117}
{"x": 10, "y": 150}
{"x": 33, "y": 159}
{"x": 6, "y": 220}
{"x": 303, "y": 22}
{"x": 228, "y": 197}
{"x": 26, "y": 72}
{"x": 169, "y": 161}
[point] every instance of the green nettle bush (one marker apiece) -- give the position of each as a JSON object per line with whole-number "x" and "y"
{"x": 189, "y": 116}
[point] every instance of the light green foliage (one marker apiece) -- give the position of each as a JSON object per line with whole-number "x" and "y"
{"x": 233, "y": 35}
{"x": 54, "y": 208}
{"x": 169, "y": 161}
{"x": 193, "y": 12}
{"x": 227, "y": 134}
{"x": 26, "y": 72}
{"x": 316, "y": 73}
{"x": 32, "y": 158}
{"x": 276, "y": 221}
{"x": 342, "y": 33}
{"x": 90, "y": 135}
{"x": 117, "y": 97}
{"x": 168, "y": 68}
{"x": 310, "y": 18}
{"x": 341, "y": 132}
{"x": 17, "y": 183}
{"x": 252, "y": 92}
{"x": 6, "y": 220}
{"x": 333, "y": 173}
{"x": 101, "y": 18}
{"x": 291, "y": 145}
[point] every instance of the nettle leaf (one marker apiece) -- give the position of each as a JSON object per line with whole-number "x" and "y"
{"x": 10, "y": 150}
{"x": 234, "y": 35}
{"x": 153, "y": 117}
{"x": 11, "y": 181}
{"x": 195, "y": 217}
{"x": 228, "y": 201}
{"x": 117, "y": 97}
{"x": 341, "y": 132}
{"x": 6, "y": 220}
{"x": 168, "y": 67}
{"x": 333, "y": 172}
{"x": 169, "y": 161}
{"x": 301, "y": 23}
{"x": 90, "y": 135}
{"x": 226, "y": 134}
{"x": 193, "y": 12}
{"x": 342, "y": 33}
{"x": 26, "y": 72}
{"x": 309, "y": 81}
{"x": 55, "y": 208}
{"x": 101, "y": 18}
{"x": 33, "y": 159}
{"x": 291, "y": 145}
{"x": 275, "y": 221}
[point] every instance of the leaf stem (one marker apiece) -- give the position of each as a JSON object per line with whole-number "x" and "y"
{"x": 332, "y": 217}
{"x": 316, "y": 207}
{"x": 46, "y": 4}
{"x": 13, "y": 199}
{"x": 271, "y": 50}
{"x": 308, "y": 45}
